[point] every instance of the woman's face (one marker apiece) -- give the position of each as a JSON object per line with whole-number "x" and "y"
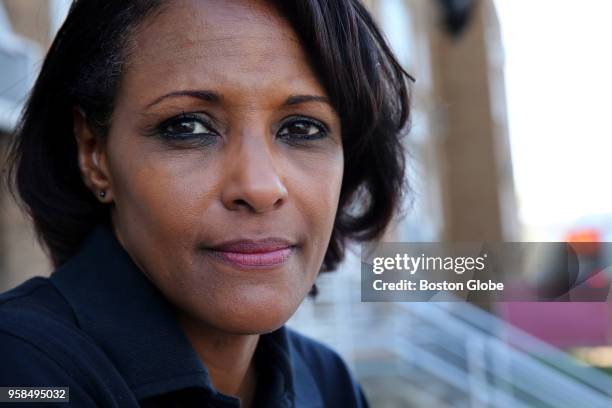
{"x": 224, "y": 163}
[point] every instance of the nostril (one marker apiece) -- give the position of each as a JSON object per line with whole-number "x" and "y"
{"x": 254, "y": 191}
{"x": 241, "y": 203}
{"x": 256, "y": 207}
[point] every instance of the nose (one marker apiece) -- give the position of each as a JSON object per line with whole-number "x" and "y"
{"x": 253, "y": 182}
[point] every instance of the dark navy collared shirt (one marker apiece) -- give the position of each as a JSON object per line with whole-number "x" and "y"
{"x": 98, "y": 326}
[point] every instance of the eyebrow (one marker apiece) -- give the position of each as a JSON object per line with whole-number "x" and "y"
{"x": 212, "y": 96}
{"x": 298, "y": 99}
{"x": 209, "y": 96}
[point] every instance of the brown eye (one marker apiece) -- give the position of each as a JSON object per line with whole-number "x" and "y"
{"x": 185, "y": 125}
{"x": 302, "y": 129}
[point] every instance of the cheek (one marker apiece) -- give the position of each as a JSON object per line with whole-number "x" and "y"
{"x": 159, "y": 198}
{"x": 321, "y": 197}
{"x": 316, "y": 192}
{"x": 154, "y": 185}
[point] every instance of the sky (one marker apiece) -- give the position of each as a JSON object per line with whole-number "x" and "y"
{"x": 558, "y": 71}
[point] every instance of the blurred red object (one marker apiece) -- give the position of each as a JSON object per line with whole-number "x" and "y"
{"x": 585, "y": 241}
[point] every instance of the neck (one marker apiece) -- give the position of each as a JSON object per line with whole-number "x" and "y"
{"x": 228, "y": 358}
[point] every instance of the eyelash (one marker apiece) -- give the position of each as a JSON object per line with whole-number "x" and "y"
{"x": 322, "y": 130}
{"x": 210, "y": 136}
{"x": 162, "y": 128}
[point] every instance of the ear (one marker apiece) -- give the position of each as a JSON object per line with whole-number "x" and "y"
{"x": 92, "y": 158}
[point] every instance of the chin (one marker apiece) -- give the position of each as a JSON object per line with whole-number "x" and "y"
{"x": 252, "y": 326}
{"x": 256, "y": 313}
{"x": 254, "y": 321}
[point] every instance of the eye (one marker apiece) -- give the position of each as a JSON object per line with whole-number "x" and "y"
{"x": 186, "y": 126}
{"x": 302, "y": 129}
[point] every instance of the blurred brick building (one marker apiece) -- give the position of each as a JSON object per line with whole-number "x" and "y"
{"x": 26, "y": 27}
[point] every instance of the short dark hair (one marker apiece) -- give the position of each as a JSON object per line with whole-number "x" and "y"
{"x": 367, "y": 86}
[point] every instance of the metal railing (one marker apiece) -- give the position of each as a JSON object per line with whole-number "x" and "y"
{"x": 454, "y": 350}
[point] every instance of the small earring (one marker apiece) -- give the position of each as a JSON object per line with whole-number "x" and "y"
{"x": 102, "y": 193}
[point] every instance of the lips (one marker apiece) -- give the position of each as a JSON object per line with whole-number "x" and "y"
{"x": 253, "y": 254}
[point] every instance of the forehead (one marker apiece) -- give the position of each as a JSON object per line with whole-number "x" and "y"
{"x": 236, "y": 44}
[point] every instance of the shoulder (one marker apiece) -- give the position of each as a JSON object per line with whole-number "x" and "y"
{"x": 41, "y": 345}
{"x": 328, "y": 369}
{"x": 36, "y": 313}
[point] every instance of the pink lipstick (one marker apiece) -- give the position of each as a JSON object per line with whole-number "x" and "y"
{"x": 253, "y": 254}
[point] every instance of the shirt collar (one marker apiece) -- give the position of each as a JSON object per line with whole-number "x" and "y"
{"x": 127, "y": 316}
